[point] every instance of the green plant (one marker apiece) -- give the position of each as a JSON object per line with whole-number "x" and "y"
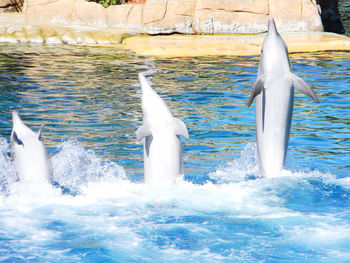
{"x": 107, "y": 3}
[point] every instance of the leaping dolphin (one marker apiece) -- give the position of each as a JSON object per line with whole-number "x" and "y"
{"x": 29, "y": 153}
{"x": 274, "y": 92}
{"x": 161, "y": 132}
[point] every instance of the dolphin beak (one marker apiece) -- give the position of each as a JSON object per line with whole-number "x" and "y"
{"x": 271, "y": 26}
{"x": 15, "y": 118}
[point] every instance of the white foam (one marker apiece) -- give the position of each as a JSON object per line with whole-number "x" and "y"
{"x": 135, "y": 222}
{"x": 74, "y": 167}
{"x": 323, "y": 233}
{"x": 7, "y": 169}
{"x": 241, "y": 169}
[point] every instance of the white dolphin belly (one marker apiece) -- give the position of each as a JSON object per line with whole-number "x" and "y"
{"x": 31, "y": 162}
{"x": 273, "y": 121}
{"x": 162, "y": 159}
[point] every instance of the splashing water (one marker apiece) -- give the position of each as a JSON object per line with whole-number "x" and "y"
{"x": 74, "y": 167}
{"x": 244, "y": 168}
{"x": 7, "y": 170}
{"x": 108, "y": 217}
{"x": 97, "y": 208}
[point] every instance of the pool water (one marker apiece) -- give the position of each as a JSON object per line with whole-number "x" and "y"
{"x": 99, "y": 210}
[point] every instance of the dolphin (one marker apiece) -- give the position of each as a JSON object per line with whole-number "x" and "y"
{"x": 30, "y": 156}
{"x": 162, "y": 147}
{"x": 274, "y": 92}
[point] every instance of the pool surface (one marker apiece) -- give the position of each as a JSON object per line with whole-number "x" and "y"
{"x": 99, "y": 210}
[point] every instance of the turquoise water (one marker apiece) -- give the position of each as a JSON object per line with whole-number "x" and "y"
{"x": 99, "y": 210}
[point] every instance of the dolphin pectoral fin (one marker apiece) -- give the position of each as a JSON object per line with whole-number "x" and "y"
{"x": 180, "y": 127}
{"x": 142, "y": 132}
{"x": 301, "y": 86}
{"x": 16, "y": 139}
{"x": 256, "y": 90}
{"x": 40, "y": 131}
{"x": 148, "y": 141}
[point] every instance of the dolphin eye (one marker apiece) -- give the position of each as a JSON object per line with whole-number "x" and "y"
{"x": 16, "y": 139}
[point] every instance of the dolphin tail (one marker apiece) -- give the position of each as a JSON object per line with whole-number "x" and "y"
{"x": 145, "y": 85}
{"x": 301, "y": 86}
{"x": 16, "y": 119}
{"x": 180, "y": 127}
{"x": 142, "y": 132}
{"x": 256, "y": 90}
{"x": 272, "y": 26}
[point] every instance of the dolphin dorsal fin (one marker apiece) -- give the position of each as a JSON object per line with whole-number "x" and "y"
{"x": 301, "y": 86}
{"x": 142, "y": 132}
{"x": 180, "y": 127}
{"x": 40, "y": 131}
{"x": 256, "y": 89}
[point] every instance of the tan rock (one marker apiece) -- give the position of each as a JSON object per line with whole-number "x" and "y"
{"x": 118, "y": 14}
{"x": 178, "y": 24}
{"x": 24, "y": 8}
{"x": 14, "y": 28}
{"x": 296, "y": 15}
{"x": 39, "y": 2}
{"x": 154, "y": 11}
{"x": 182, "y": 16}
{"x": 51, "y": 36}
{"x": 231, "y": 16}
{"x": 125, "y": 16}
{"x": 135, "y": 17}
{"x": 136, "y": 2}
{"x": 251, "y": 6}
{"x": 310, "y": 15}
{"x": 5, "y": 36}
{"x": 229, "y": 45}
{"x": 184, "y": 8}
{"x": 285, "y": 13}
{"x": 4, "y": 2}
{"x": 37, "y": 11}
{"x": 85, "y": 38}
{"x": 116, "y": 39}
{"x": 3, "y": 29}
{"x": 178, "y": 18}
{"x": 69, "y": 37}
{"x": 17, "y": 32}
{"x": 10, "y": 6}
{"x": 89, "y": 13}
{"x": 101, "y": 38}
{"x": 33, "y": 34}
{"x": 220, "y": 21}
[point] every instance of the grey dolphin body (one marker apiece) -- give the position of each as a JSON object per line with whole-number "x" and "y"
{"x": 274, "y": 92}
{"x": 30, "y": 156}
{"x": 161, "y": 135}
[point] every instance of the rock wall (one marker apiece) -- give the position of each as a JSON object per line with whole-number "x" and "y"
{"x": 181, "y": 16}
{"x": 10, "y": 6}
